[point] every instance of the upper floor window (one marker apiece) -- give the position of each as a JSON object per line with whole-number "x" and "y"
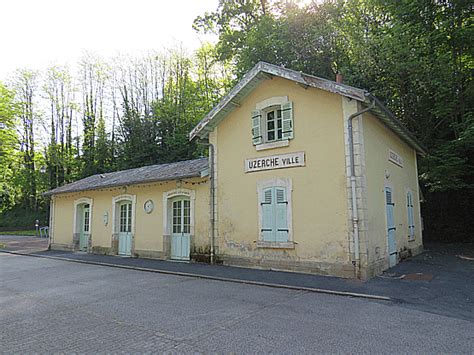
{"x": 272, "y": 121}
{"x": 274, "y": 127}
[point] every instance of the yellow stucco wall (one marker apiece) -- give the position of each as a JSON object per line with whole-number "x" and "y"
{"x": 378, "y": 139}
{"x": 148, "y": 233}
{"x": 319, "y": 202}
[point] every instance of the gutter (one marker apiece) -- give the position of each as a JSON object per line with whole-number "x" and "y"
{"x": 355, "y": 218}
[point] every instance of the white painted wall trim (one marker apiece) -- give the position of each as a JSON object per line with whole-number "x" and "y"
{"x": 167, "y": 197}
{"x": 272, "y": 101}
{"x": 51, "y": 220}
{"x": 349, "y": 107}
{"x": 287, "y": 183}
{"x": 80, "y": 201}
{"x": 272, "y": 145}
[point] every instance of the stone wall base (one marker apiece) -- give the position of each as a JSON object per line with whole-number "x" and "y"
{"x": 374, "y": 269}
{"x": 62, "y": 247}
{"x": 150, "y": 254}
{"x": 417, "y": 249}
{"x": 101, "y": 250}
{"x": 379, "y": 266}
{"x": 308, "y": 267}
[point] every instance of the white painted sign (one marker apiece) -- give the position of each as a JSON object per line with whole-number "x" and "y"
{"x": 395, "y": 158}
{"x": 281, "y": 161}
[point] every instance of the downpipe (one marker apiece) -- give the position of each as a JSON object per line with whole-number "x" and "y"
{"x": 355, "y": 217}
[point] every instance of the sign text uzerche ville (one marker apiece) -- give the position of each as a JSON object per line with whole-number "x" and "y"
{"x": 289, "y": 160}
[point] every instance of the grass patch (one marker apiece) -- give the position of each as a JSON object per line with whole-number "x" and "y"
{"x": 23, "y": 232}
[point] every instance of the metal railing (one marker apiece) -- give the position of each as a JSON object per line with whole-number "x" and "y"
{"x": 44, "y": 232}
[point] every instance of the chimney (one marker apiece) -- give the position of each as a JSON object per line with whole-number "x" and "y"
{"x": 339, "y": 78}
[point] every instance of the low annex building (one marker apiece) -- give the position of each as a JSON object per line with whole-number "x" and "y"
{"x": 157, "y": 211}
{"x": 304, "y": 174}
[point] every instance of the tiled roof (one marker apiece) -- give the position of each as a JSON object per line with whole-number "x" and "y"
{"x": 151, "y": 173}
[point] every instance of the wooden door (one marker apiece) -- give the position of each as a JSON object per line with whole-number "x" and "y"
{"x": 391, "y": 241}
{"x": 180, "y": 228}
{"x": 125, "y": 228}
{"x": 85, "y": 228}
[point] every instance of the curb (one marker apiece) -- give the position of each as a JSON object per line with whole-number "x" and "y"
{"x": 207, "y": 277}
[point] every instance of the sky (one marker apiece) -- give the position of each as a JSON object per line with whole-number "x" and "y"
{"x": 36, "y": 34}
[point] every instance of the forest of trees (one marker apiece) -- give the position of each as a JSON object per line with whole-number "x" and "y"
{"x": 415, "y": 55}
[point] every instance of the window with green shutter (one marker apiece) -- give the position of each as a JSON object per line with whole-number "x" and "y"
{"x": 274, "y": 207}
{"x": 272, "y": 124}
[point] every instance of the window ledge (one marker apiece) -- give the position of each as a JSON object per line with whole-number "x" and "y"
{"x": 271, "y": 145}
{"x": 276, "y": 245}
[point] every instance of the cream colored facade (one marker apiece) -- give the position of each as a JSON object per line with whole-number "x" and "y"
{"x": 319, "y": 210}
{"x": 381, "y": 173}
{"x": 150, "y": 231}
{"x": 284, "y": 194}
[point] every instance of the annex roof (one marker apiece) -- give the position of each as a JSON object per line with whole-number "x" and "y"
{"x": 262, "y": 71}
{"x": 151, "y": 173}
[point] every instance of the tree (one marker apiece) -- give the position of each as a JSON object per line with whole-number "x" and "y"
{"x": 8, "y": 148}
{"x": 93, "y": 79}
{"x": 25, "y": 84}
{"x": 59, "y": 91}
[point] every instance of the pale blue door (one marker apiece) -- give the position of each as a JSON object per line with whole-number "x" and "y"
{"x": 85, "y": 228}
{"x": 392, "y": 244}
{"x": 180, "y": 229}
{"x": 125, "y": 229}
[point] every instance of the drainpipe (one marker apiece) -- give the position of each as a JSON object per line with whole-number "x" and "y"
{"x": 212, "y": 195}
{"x": 355, "y": 218}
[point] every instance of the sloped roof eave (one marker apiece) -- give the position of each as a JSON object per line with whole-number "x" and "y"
{"x": 393, "y": 123}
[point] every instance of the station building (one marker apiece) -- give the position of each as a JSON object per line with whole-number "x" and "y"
{"x": 304, "y": 174}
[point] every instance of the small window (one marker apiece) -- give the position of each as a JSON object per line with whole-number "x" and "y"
{"x": 125, "y": 225}
{"x": 86, "y": 218}
{"x": 274, "y": 124}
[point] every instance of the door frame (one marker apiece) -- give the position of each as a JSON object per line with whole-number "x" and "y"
{"x": 116, "y": 220}
{"x": 78, "y": 213}
{"x": 181, "y": 199}
{"x": 168, "y": 196}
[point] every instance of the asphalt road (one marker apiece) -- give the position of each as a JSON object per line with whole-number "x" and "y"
{"x": 56, "y": 306}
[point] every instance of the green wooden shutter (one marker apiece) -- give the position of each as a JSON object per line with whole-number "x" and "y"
{"x": 281, "y": 222}
{"x": 257, "y": 127}
{"x": 268, "y": 218}
{"x": 287, "y": 120}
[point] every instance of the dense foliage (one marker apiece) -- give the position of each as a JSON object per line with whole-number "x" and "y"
{"x": 117, "y": 114}
{"x": 415, "y": 55}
